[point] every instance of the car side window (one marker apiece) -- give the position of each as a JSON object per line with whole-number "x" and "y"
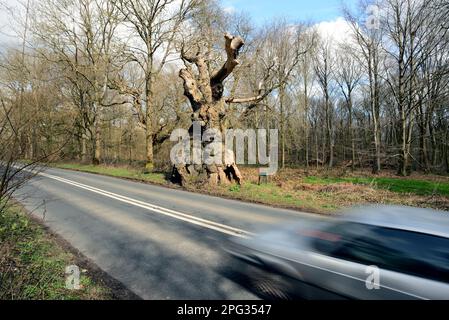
{"x": 331, "y": 238}
{"x": 407, "y": 252}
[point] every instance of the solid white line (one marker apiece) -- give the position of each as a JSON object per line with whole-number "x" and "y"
{"x": 154, "y": 208}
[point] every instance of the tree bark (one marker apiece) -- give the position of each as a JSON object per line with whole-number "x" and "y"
{"x": 204, "y": 91}
{"x": 149, "y": 121}
{"x": 282, "y": 123}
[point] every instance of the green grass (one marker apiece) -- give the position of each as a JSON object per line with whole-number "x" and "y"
{"x": 329, "y": 195}
{"x": 123, "y": 172}
{"x": 265, "y": 193}
{"x": 32, "y": 264}
{"x": 399, "y": 185}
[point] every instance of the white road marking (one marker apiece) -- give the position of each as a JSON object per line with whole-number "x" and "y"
{"x": 154, "y": 208}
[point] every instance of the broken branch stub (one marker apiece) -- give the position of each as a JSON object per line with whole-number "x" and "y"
{"x": 232, "y": 46}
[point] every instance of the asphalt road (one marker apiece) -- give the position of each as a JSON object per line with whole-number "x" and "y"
{"x": 161, "y": 243}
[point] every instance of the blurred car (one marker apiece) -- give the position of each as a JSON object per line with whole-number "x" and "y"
{"x": 378, "y": 252}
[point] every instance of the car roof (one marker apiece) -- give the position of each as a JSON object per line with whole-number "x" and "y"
{"x": 429, "y": 221}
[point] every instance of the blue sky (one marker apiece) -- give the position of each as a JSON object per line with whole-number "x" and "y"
{"x": 307, "y": 10}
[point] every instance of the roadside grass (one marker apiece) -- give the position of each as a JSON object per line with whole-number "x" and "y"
{"x": 32, "y": 263}
{"x": 115, "y": 171}
{"x": 418, "y": 187}
{"x": 324, "y": 199}
{"x": 319, "y": 191}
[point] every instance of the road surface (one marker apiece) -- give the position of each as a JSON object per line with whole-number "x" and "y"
{"x": 160, "y": 243}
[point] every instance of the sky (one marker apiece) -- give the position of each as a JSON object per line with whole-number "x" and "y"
{"x": 325, "y": 13}
{"x": 305, "y": 10}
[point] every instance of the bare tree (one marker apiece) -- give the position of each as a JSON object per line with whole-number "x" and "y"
{"x": 368, "y": 38}
{"x": 156, "y": 23}
{"x": 348, "y": 76}
{"x": 414, "y": 30}
{"x": 13, "y": 172}
{"x": 324, "y": 70}
{"x": 283, "y": 44}
{"x": 80, "y": 38}
{"x": 102, "y": 77}
{"x": 205, "y": 93}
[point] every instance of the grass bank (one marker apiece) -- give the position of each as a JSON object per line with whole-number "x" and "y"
{"x": 116, "y": 171}
{"x": 33, "y": 263}
{"x": 398, "y": 185}
{"x": 317, "y": 191}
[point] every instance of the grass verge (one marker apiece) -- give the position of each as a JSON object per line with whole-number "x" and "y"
{"x": 411, "y": 186}
{"x": 33, "y": 263}
{"x": 114, "y": 171}
{"x": 319, "y": 192}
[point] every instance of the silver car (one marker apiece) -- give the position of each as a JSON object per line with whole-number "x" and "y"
{"x": 378, "y": 252}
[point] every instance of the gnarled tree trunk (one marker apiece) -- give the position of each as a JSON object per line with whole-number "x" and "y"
{"x": 204, "y": 89}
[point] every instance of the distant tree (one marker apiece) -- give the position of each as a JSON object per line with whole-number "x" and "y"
{"x": 348, "y": 76}
{"x": 324, "y": 71}
{"x": 157, "y": 24}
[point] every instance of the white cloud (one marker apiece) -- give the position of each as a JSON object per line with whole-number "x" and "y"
{"x": 337, "y": 31}
{"x": 229, "y": 9}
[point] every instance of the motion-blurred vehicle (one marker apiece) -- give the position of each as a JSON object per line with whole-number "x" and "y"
{"x": 379, "y": 252}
